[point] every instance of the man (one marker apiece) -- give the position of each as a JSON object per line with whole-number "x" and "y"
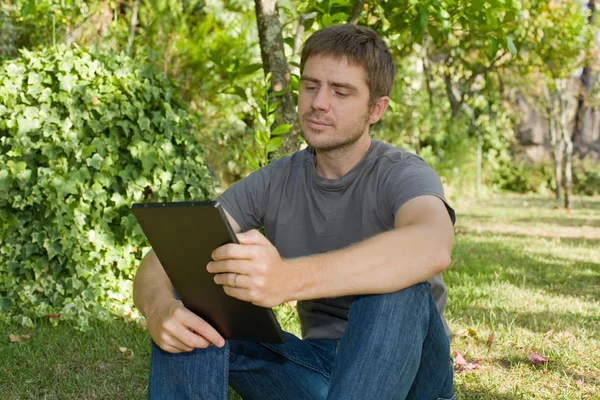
{"x": 354, "y": 230}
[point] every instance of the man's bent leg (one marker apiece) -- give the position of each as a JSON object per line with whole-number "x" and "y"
{"x": 395, "y": 347}
{"x": 201, "y": 374}
{"x": 295, "y": 370}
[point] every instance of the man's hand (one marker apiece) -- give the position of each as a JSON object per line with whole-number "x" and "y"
{"x": 176, "y": 329}
{"x": 252, "y": 271}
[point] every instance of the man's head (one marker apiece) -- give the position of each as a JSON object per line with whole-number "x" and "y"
{"x": 362, "y": 47}
{"x": 347, "y": 74}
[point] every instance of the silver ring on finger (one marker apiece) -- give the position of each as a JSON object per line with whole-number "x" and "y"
{"x": 235, "y": 280}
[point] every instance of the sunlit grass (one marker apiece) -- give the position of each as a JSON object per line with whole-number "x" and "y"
{"x": 525, "y": 277}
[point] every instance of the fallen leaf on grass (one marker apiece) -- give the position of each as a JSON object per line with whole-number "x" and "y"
{"x": 537, "y": 359}
{"x": 51, "y": 316}
{"x": 127, "y": 353}
{"x": 19, "y": 338}
{"x": 490, "y": 339}
{"x": 472, "y": 332}
{"x": 579, "y": 382}
{"x": 463, "y": 365}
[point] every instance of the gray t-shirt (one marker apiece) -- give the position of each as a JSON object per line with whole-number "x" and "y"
{"x": 304, "y": 214}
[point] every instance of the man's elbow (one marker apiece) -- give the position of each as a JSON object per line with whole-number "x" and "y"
{"x": 442, "y": 261}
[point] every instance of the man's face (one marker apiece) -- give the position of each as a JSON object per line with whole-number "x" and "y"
{"x": 333, "y": 104}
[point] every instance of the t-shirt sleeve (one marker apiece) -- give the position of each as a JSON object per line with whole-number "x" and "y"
{"x": 246, "y": 200}
{"x": 410, "y": 178}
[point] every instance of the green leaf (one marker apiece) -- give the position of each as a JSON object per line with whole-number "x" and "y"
{"x": 326, "y": 20}
{"x": 289, "y": 41}
{"x": 16, "y": 167}
{"x": 434, "y": 33}
{"x": 250, "y": 69}
{"x": 237, "y": 91}
{"x": 281, "y": 129}
{"x": 95, "y": 161}
{"x": 340, "y": 17}
{"x": 251, "y": 160}
{"x": 308, "y": 23}
{"x": 493, "y": 47}
{"x": 274, "y": 144}
{"x": 511, "y": 46}
{"x": 419, "y": 23}
{"x": 67, "y": 82}
{"x": 273, "y": 106}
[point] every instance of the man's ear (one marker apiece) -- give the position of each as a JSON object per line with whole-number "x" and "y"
{"x": 378, "y": 109}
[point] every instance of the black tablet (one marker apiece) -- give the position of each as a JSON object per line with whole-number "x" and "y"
{"x": 183, "y": 236}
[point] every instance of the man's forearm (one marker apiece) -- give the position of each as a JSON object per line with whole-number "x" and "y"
{"x": 385, "y": 263}
{"x": 151, "y": 284}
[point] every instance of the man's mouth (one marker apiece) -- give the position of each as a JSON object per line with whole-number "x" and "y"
{"x": 316, "y": 123}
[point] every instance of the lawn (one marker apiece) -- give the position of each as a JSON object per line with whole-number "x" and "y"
{"x": 525, "y": 280}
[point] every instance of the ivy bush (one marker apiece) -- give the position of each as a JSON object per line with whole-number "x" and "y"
{"x": 83, "y": 136}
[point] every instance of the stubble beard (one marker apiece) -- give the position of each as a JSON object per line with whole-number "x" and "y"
{"x": 338, "y": 144}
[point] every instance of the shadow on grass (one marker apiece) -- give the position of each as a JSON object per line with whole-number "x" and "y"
{"x": 516, "y": 201}
{"x": 494, "y": 261}
{"x": 571, "y": 221}
{"x": 111, "y": 360}
{"x": 467, "y": 394}
{"x": 575, "y": 221}
{"x": 534, "y": 321}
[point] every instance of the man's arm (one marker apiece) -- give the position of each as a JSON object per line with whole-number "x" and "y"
{"x": 172, "y": 327}
{"x": 418, "y": 248}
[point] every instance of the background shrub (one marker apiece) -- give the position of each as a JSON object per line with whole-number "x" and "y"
{"x": 82, "y": 137}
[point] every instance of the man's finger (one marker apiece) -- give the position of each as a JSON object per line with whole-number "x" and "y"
{"x": 238, "y": 293}
{"x": 252, "y": 237}
{"x": 232, "y": 280}
{"x": 192, "y": 340}
{"x": 232, "y": 251}
{"x": 229, "y": 266}
{"x": 203, "y": 329}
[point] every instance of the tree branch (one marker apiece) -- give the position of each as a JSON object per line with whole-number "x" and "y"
{"x": 298, "y": 38}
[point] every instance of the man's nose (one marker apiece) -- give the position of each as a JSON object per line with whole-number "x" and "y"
{"x": 322, "y": 100}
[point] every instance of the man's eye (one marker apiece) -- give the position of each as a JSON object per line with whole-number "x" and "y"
{"x": 310, "y": 88}
{"x": 341, "y": 94}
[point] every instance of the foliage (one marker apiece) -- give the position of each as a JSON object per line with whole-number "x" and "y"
{"x": 586, "y": 179}
{"x": 525, "y": 177}
{"x": 268, "y": 140}
{"x": 82, "y": 137}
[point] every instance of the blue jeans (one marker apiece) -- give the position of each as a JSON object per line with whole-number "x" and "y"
{"x": 394, "y": 347}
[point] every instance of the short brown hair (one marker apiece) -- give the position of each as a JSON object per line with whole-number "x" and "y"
{"x": 363, "y": 47}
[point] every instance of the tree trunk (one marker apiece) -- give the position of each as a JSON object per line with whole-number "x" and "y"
{"x": 583, "y": 123}
{"x": 455, "y": 103}
{"x": 564, "y": 97}
{"x": 567, "y": 184}
{"x": 275, "y": 62}
{"x": 132, "y": 25}
{"x": 358, "y": 6}
{"x": 558, "y": 161}
{"x": 479, "y": 161}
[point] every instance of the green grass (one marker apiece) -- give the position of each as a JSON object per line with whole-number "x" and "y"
{"x": 528, "y": 274}
{"x": 523, "y": 271}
